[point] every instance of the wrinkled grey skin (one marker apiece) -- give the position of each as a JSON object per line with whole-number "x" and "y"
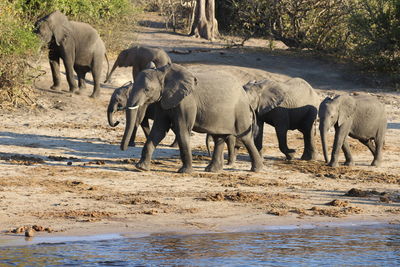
{"x": 118, "y": 102}
{"x": 77, "y": 44}
{"x": 186, "y": 104}
{"x": 290, "y": 105}
{"x": 361, "y": 117}
{"x": 138, "y": 58}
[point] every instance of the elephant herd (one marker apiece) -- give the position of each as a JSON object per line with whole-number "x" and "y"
{"x": 213, "y": 102}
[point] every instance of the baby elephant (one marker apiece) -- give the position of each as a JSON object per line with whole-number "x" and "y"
{"x": 361, "y": 117}
{"x": 138, "y": 58}
{"x": 118, "y": 102}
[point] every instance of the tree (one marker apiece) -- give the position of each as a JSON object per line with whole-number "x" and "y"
{"x": 204, "y": 24}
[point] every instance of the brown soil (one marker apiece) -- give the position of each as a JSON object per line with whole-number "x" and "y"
{"x": 61, "y": 166}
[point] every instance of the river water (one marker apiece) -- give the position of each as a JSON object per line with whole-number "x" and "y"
{"x": 377, "y": 245}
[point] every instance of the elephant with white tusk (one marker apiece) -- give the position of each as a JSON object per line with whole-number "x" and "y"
{"x": 118, "y": 102}
{"x": 211, "y": 102}
{"x": 79, "y": 46}
{"x": 361, "y": 117}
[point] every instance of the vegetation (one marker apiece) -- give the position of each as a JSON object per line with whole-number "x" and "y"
{"x": 366, "y": 31}
{"x": 18, "y": 44}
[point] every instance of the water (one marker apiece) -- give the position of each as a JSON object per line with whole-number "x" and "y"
{"x": 357, "y": 246}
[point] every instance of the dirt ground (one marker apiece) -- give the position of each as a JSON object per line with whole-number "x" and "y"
{"x": 62, "y": 170}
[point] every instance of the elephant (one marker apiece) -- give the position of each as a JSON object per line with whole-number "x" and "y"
{"x": 232, "y": 144}
{"x": 361, "y": 117}
{"x": 139, "y": 58}
{"x": 211, "y": 102}
{"x": 79, "y": 46}
{"x": 288, "y": 105}
{"x": 118, "y": 102}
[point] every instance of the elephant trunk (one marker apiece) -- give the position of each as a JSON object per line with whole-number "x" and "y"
{"x": 323, "y": 128}
{"x": 112, "y": 107}
{"x": 111, "y": 72}
{"x": 130, "y": 125}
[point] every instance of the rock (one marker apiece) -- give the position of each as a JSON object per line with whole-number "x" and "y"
{"x": 30, "y": 232}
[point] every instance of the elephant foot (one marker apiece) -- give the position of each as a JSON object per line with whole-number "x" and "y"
{"x": 231, "y": 162}
{"x": 213, "y": 167}
{"x": 143, "y": 166}
{"x": 55, "y": 87}
{"x": 333, "y": 164}
{"x": 309, "y": 156}
{"x": 376, "y": 163}
{"x": 257, "y": 166}
{"x": 349, "y": 163}
{"x": 185, "y": 169}
{"x": 290, "y": 154}
{"x": 95, "y": 95}
{"x": 74, "y": 90}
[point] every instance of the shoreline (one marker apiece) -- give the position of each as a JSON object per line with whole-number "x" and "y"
{"x": 109, "y": 233}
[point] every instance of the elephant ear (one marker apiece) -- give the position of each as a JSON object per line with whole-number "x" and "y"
{"x": 271, "y": 95}
{"x": 346, "y": 108}
{"x": 178, "y": 83}
{"x": 59, "y": 25}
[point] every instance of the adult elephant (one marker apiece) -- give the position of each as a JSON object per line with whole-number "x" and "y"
{"x": 361, "y": 117}
{"x": 138, "y": 58}
{"x": 118, "y": 102}
{"x": 79, "y": 46}
{"x": 211, "y": 102}
{"x": 289, "y": 105}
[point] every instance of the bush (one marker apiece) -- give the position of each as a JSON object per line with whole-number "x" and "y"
{"x": 367, "y": 31}
{"x": 375, "y": 25}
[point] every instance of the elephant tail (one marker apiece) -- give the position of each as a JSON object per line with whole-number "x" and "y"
{"x": 108, "y": 65}
{"x": 254, "y": 126}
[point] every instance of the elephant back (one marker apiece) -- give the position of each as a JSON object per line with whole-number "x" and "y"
{"x": 299, "y": 93}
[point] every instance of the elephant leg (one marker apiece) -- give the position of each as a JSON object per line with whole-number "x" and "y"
{"x": 370, "y": 144}
{"x": 158, "y": 131}
{"x": 230, "y": 142}
{"x": 347, "y": 154}
{"x": 281, "y": 133}
{"x": 258, "y": 136}
{"x": 69, "y": 70}
{"x": 96, "y": 73}
{"x": 185, "y": 151}
{"x": 54, "y": 60}
{"x": 144, "y": 123}
{"x": 256, "y": 159}
{"x": 309, "y": 152}
{"x": 379, "y": 142}
{"x": 81, "y": 80}
{"x": 340, "y": 135}
{"x": 217, "y": 161}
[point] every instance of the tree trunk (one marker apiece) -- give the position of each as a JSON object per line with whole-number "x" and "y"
{"x": 205, "y": 24}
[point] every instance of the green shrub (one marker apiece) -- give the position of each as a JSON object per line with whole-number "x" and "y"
{"x": 375, "y": 27}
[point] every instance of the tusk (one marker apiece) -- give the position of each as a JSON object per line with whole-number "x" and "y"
{"x": 135, "y": 107}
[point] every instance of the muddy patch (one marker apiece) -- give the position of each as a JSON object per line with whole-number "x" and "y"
{"x": 22, "y": 160}
{"x": 320, "y": 170}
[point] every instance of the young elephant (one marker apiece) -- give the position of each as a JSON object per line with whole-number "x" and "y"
{"x": 212, "y": 102}
{"x": 118, "y": 102}
{"x": 77, "y": 44}
{"x": 286, "y": 106}
{"x": 361, "y": 117}
{"x": 138, "y": 58}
